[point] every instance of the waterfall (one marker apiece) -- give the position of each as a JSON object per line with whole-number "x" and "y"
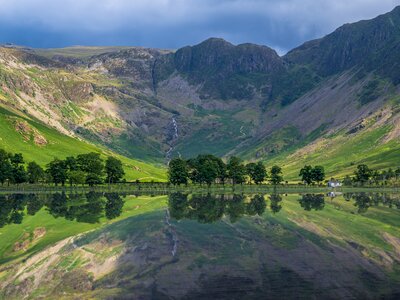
{"x": 171, "y": 142}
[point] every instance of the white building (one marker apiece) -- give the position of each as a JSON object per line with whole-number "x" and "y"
{"x": 334, "y": 183}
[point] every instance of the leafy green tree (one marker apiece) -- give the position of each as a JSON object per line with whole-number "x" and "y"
{"x": 206, "y": 169}
{"x": 318, "y": 174}
{"x": 5, "y": 167}
{"x": 90, "y": 163}
{"x": 178, "y": 171}
{"x": 35, "y": 172}
{"x": 306, "y": 174}
{"x": 276, "y": 175}
{"x": 17, "y": 159}
{"x": 57, "y": 169}
{"x": 76, "y": 177}
{"x": 93, "y": 166}
{"x": 93, "y": 179}
{"x": 71, "y": 163}
{"x": 222, "y": 171}
{"x": 236, "y": 170}
{"x": 363, "y": 173}
{"x": 114, "y": 170}
{"x": 257, "y": 172}
{"x": 18, "y": 173}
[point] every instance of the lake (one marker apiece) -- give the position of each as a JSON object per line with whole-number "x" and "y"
{"x": 200, "y": 246}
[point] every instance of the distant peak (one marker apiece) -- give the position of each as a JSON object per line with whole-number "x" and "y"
{"x": 216, "y": 41}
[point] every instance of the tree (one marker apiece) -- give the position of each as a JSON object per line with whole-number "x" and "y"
{"x": 18, "y": 173}
{"x": 204, "y": 169}
{"x": 5, "y": 166}
{"x": 236, "y": 170}
{"x": 178, "y": 171}
{"x": 57, "y": 169}
{"x": 92, "y": 179}
{"x": 76, "y": 177}
{"x": 318, "y": 174}
{"x": 35, "y": 172}
{"x": 306, "y": 174}
{"x": 114, "y": 170}
{"x": 257, "y": 172}
{"x": 276, "y": 175}
{"x": 90, "y": 163}
{"x": 71, "y": 163}
{"x": 363, "y": 173}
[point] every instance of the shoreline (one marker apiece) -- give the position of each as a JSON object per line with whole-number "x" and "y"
{"x": 217, "y": 188}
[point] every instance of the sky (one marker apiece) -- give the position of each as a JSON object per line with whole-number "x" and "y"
{"x": 171, "y": 24}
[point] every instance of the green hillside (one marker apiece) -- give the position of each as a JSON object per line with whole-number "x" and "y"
{"x": 339, "y": 154}
{"x": 40, "y": 143}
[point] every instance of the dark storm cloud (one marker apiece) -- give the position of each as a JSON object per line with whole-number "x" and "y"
{"x": 281, "y": 24}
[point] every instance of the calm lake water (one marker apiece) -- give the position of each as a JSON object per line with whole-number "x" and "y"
{"x": 190, "y": 246}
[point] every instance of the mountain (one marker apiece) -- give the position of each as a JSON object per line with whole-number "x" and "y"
{"x": 333, "y": 101}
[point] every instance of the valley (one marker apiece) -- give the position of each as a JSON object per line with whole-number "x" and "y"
{"x": 309, "y": 105}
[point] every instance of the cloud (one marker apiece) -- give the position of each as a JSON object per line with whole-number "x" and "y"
{"x": 281, "y": 24}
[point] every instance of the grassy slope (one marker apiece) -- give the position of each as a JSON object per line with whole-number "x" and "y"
{"x": 61, "y": 146}
{"x": 342, "y": 153}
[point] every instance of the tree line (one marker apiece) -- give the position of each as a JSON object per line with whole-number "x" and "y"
{"x": 82, "y": 169}
{"x": 208, "y": 169}
{"x": 365, "y": 175}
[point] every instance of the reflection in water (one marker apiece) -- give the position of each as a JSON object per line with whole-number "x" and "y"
{"x": 211, "y": 208}
{"x": 92, "y": 206}
{"x": 302, "y": 249}
{"x": 312, "y": 202}
{"x": 86, "y": 208}
{"x": 363, "y": 201}
{"x": 275, "y": 205}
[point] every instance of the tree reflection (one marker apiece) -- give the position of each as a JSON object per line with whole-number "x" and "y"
{"x": 211, "y": 208}
{"x": 275, "y": 204}
{"x": 312, "y": 202}
{"x": 114, "y": 205}
{"x": 86, "y": 208}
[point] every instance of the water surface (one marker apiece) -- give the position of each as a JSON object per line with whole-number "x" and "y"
{"x": 200, "y": 246}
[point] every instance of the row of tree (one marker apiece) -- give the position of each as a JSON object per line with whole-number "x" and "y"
{"x": 310, "y": 175}
{"x": 364, "y": 174}
{"x": 208, "y": 169}
{"x": 87, "y": 168}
